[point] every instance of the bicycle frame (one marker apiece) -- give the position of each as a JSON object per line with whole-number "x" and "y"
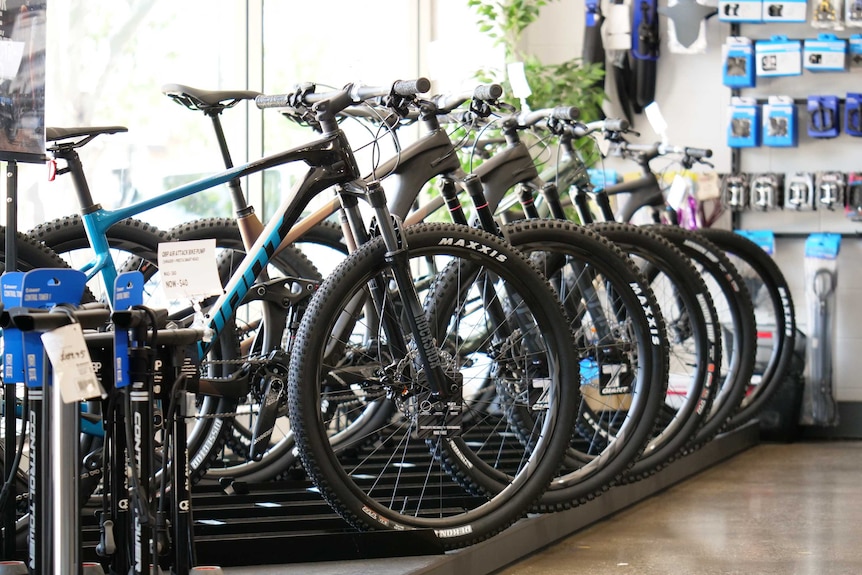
{"x": 330, "y": 161}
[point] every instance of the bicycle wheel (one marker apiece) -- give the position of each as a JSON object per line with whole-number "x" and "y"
{"x": 773, "y": 313}
{"x": 622, "y": 348}
{"x": 694, "y": 345}
{"x": 736, "y": 317}
{"x": 377, "y": 444}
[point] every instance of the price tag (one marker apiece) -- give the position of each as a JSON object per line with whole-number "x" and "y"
{"x": 73, "y": 368}
{"x": 708, "y": 187}
{"x": 189, "y": 269}
{"x": 656, "y": 119}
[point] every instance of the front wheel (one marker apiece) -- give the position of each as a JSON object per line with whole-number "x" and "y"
{"x": 382, "y": 447}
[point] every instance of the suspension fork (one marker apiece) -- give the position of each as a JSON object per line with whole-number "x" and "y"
{"x": 397, "y": 257}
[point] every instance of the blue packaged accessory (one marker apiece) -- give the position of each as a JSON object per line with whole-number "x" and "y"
{"x": 854, "y": 50}
{"x": 738, "y": 62}
{"x": 743, "y": 129}
{"x": 778, "y": 56}
{"x": 740, "y": 10}
{"x": 785, "y": 11}
{"x": 780, "y": 125}
{"x": 823, "y": 118}
{"x": 853, "y": 114}
{"x": 826, "y": 53}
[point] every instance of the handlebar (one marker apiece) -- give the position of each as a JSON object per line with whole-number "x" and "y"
{"x": 565, "y": 113}
{"x": 338, "y": 100}
{"x": 445, "y": 103}
{"x": 650, "y": 151}
{"x": 578, "y": 130}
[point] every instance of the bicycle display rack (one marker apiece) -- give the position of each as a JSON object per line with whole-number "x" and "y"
{"x": 234, "y": 523}
{"x": 152, "y": 524}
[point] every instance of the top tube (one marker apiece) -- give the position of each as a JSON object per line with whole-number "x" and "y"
{"x": 322, "y": 153}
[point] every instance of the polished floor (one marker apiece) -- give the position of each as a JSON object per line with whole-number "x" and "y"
{"x": 783, "y": 509}
{"x": 774, "y": 509}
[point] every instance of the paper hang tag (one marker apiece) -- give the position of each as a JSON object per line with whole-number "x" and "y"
{"x": 678, "y": 191}
{"x": 73, "y": 368}
{"x": 708, "y": 187}
{"x": 189, "y": 269}
{"x": 656, "y": 119}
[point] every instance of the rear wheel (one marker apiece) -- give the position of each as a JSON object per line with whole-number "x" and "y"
{"x": 773, "y": 313}
{"x": 736, "y": 318}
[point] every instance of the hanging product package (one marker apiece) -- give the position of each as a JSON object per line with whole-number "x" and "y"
{"x": 785, "y": 11}
{"x": 854, "y": 50}
{"x": 766, "y": 191}
{"x": 853, "y": 113}
{"x": 853, "y": 13}
{"x": 780, "y": 122}
{"x": 734, "y": 191}
{"x": 778, "y": 56}
{"x": 821, "y": 275}
{"x": 744, "y": 11}
{"x": 738, "y": 57}
{"x": 743, "y": 126}
{"x": 827, "y": 14}
{"x": 823, "y": 118}
{"x": 829, "y": 192}
{"x": 853, "y": 203}
{"x": 799, "y": 191}
{"x": 826, "y": 53}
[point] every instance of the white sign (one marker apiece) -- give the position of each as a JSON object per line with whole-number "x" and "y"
{"x": 189, "y": 269}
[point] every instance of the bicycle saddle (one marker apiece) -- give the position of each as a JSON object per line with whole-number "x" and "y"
{"x": 56, "y": 134}
{"x": 206, "y": 100}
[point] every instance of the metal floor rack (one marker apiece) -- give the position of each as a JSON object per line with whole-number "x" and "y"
{"x": 288, "y": 525}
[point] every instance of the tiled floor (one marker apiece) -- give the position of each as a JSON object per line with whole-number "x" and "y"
{"x": 774, "y": 509}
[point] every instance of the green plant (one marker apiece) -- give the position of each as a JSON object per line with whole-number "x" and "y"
{"x": 570, "y": 82}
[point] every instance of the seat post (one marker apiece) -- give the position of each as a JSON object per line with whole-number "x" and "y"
{"x": 239, "y": 202}
{"x": 76, "y": 168}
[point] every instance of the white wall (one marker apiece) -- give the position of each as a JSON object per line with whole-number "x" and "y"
{"x": 694, "y": 101}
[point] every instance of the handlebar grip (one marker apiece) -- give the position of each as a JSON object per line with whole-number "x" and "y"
{"x": 570, "y": 113}
{"x": 411, "y": 87}
{"x": 698, "y": 152}
{"x": 274, "y": 101}
{"x": 616, "y": 125}
{"x": 488, "y": 92}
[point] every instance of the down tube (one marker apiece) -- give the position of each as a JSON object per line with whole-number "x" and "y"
{"x": 261, "y": 252}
